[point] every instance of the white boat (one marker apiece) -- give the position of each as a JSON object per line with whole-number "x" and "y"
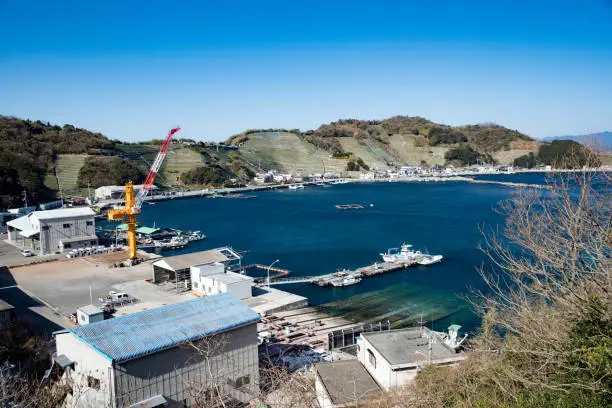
{"x": 296, "y": 186}
{"x": 345, "y": 281}
{"x": 405, "y": 253}
{"x": 429, "y": 259}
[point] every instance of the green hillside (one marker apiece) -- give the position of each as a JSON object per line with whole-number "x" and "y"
{"x": 32, "y": 153}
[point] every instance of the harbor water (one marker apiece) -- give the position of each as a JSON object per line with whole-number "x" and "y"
{"x": 309, "y": 236}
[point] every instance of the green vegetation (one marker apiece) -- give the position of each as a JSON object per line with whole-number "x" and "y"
{"x": 445, "y": 135}
{"x": 27, "y": 153}
{"x": 342, "y": 155}
{"x": 466, "y": 156}
{"x": 213, "y": 175}
{"x": 560, "y": 154}
{"x": 105, "y": 170}
{"x": 491, "y": 138}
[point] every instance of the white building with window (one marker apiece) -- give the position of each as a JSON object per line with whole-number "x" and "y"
{"x": 52, "y": 231}
{"x": 146, "y": 359}
{"x": 394, "y": 357}
{"x": 212, "y": 279}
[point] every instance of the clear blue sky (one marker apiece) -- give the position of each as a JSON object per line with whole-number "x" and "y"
{"x": 133, "y": 69}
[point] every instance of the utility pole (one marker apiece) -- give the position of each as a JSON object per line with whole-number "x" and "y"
{"x": 24, "y": 194}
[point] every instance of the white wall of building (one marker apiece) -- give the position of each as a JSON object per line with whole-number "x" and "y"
{"x": 199, "y": 272}
{"x": 87, "y": 363}
{"x": 215, "y": 285}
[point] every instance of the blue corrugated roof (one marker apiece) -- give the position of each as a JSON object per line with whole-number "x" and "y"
{"x": 128, "y": 337}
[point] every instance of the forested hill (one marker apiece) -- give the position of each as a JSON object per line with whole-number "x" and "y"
{"x": 28, "y": 150}
{"x": 35, "y": 155}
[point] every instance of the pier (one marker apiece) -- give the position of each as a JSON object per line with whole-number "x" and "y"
{"x": 325, "y": 280}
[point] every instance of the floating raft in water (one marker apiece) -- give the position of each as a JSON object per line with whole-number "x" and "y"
{"x": 349, "y": 207}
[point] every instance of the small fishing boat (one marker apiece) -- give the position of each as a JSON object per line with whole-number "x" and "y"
{"x": 345, "y": 281}
{"x": 296, "y": 187}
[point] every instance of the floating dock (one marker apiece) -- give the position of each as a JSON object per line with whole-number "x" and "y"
{"x": 349, "y": 207}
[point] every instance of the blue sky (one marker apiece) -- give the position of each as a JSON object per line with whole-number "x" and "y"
{"x": 133, "y": 69}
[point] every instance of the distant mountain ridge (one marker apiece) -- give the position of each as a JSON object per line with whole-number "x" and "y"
{"x": 602, "y": 140}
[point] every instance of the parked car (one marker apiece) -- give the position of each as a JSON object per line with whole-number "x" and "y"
{"x": 27, "y": 253}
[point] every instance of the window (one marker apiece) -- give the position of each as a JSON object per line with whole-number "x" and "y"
{"x": 93, "y": 242}
{"x": 45, "y": 228}
{"x": 67, "y": 246}
{"x": 195, "y": 284}
{"x": 93, "y": 382}
{"x": 371, "y": 358}
{"x": 66, "y": 225}
{"x": 89, "y": 223}
{"x": 240, "y": 381}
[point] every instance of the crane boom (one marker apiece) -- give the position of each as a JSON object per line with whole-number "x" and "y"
{"x": 146, "y": 187}
{"x": 133, "y": 201}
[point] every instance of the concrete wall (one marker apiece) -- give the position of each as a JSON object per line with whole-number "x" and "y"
{"x": 198, "y": 272}
{"x": 211, "y": 285}
{"x": 87, "y": 363}
{"x": 53, "y": 231}
{"x": 382, "y": 373}
{"x": 177, "y": 372}
{"x": 322, "y": 395}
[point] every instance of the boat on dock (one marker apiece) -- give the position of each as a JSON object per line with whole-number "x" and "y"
{"x": 406, "y": 253}
{"x": 296, "y": 187}
{"x": 174, "y": 243}
{"x": 346, "y": 281}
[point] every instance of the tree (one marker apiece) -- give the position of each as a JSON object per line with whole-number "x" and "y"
{"x": 546, "y": 335}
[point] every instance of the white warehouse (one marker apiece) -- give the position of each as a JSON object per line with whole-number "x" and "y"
{"x": 52, "y": 231}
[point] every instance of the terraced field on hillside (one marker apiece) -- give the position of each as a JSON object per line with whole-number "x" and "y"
{"x": 414, "y": 149}
{"x": 67, "y": 167}
{"x": 372, "y": 154}
{"x": 287, "y": 152}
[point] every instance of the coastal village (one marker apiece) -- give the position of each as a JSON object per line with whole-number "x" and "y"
{"x": 92, "y": 294}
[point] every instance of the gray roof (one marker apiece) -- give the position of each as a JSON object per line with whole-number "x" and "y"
{"x": 64, "y": 213}
{"x": 4, "y": 306}
{"x": 90, "y": 310}
{"x": 186, "y": 261}
{"x": 229, "y": 278}
{"x": 408, "y": 346}
{"x": 128, "y": 337}
{"x": 346, "y": 381}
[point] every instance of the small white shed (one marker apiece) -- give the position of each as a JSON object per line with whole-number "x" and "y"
{"x": 89, "y": 314}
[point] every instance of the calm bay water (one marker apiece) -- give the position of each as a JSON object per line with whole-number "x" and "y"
{"x": 309, "y": 236}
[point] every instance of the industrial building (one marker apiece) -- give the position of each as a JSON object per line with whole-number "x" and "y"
{"x": 212, "y": 279}
{"x": 114, "y": 192}
{"x": 146, "y": 360}
{"x": 53, "y": 231}
{"x": 176, "y": 270}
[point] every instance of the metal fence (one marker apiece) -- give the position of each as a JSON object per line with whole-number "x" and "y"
{"x": 348, "y": 337}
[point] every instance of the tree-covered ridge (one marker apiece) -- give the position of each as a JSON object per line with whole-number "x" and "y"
{"x": 28, "y": 150}
{"x": 483, "y": 138}
{"x": 560, "y": 154}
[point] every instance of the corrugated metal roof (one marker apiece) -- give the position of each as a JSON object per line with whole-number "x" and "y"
{"x": 140, "y": 334}
{"x": 186, "y": 261}
{"x": 63, "y": 213}
{"x": 147, "y": 230}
